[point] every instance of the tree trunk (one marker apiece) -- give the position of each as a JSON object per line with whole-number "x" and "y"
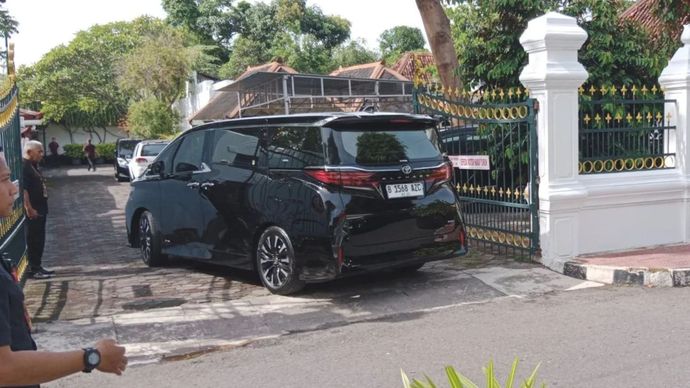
{"x": 437, "y": 28}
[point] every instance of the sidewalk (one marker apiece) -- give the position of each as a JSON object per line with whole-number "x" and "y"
{"x": 663, "y": 266}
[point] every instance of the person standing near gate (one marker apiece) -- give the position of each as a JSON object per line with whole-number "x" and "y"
{"x": 36, "y": 208}
{"x": 54, "y": 147}
{"x": 20, "y": 363}
{"x": 90, "y": 152}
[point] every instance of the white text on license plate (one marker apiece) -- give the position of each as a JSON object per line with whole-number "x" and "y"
{"x": 401, "y": 190}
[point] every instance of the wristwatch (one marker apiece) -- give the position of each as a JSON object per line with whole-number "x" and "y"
{"x": 92, "y": 358}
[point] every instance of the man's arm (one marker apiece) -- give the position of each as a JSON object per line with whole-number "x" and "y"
{"x": 30, "y": 367}
{"x": 30, "y": 211}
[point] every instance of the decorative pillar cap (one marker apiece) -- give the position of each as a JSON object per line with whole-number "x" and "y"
{"x": 552, "y": 41}
{"x": 553, "y": 31}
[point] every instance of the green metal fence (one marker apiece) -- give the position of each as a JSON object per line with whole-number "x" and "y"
{"x": 624, "y": 129}
{"x": 491, "y": 139}
{"x": 12, "y": 228}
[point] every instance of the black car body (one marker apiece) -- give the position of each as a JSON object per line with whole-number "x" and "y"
{"x": 303, "y": 198}
{"x": 123, "y": 154}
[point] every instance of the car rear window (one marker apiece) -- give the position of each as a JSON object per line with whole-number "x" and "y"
{"x": 125, "y": 148}
{"x": 381, "y": 147}
{"x": 152, "y": 149}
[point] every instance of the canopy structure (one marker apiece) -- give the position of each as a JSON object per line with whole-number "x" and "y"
{"x": 270, "y": 93}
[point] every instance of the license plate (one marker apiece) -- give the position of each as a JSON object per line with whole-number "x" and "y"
{"x": 402, "y": 190}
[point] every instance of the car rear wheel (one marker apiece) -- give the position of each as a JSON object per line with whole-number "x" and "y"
{"x": 275, "y": 262}
{"x": 150, "y": 241}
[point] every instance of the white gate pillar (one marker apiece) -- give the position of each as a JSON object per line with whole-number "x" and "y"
{"x": 675, "y": 80}
{"x": 553, "y": 77}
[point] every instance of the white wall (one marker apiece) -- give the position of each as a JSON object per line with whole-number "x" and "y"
{"x": 198, "y": 95}
{"x": 584, "y": 214}
{"x": 79, "y": 136}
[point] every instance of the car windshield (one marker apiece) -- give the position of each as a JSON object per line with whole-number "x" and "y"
{"x": 152, "y": 149}
{"x": 382, "y": 147}
{"x": 126, "y": 148}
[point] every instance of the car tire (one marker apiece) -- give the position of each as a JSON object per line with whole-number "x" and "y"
{"x": 150, "y": 241}
{"x": 120, "y": 178}
{"x": 275, "y": 262}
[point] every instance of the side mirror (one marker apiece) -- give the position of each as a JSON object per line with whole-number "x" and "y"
{"x": 157, "y": 168}
{"x": 185, "y": 167}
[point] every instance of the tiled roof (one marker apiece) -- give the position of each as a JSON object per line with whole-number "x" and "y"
{"x": 642, "y": 12}
{"x": 406, "y": 65}
{"x": 271, "y": 67}
{"x": 374, "y": 70}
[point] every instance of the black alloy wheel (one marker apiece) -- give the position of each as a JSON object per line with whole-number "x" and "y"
{"x": 149, "y": 241}
{"x": 275, "y": 262}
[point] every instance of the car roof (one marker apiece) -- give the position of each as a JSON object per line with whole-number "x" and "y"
{"x": 317, "y": 119}
{"x": 147, "y": 142}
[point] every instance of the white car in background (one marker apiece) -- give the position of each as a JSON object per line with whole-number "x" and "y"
{"x": 144, "y": 153}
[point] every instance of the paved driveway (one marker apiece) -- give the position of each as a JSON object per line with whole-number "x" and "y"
{"x": 103, "y": 289}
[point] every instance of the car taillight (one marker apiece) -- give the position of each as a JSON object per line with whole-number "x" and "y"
{"x": 441, "y": 174}
{"x": 461, "y": 237}
{"x": 343, "y": 178}
{"x": 141, "y": 160}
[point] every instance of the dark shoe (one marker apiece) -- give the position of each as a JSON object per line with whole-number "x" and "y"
{"x": 47, "y": 271}
{"x": 39, "y": 275}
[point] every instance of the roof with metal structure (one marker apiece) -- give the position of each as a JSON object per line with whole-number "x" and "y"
{"x": 270, "y": 93}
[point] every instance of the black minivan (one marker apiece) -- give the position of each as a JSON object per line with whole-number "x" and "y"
{"x": 300, "y": 198}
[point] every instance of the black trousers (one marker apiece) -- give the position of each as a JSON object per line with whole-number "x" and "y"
{"x": 36, "y": 241}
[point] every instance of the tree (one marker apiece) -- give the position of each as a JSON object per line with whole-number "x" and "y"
{"x": 302, "y": 36}
{"x": 157, "y": 68}
{"x": 8, "y": 25}
{"x": 395, "y": 41}
{"x": 76, "y": 83}
{"x": 437, "y": 27}
{"x": 151, "y": 119}
{"x": 352, "y": 53}
{"x": 487, "y": 34}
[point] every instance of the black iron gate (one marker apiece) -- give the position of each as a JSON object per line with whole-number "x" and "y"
{"x": 491, "y": 139}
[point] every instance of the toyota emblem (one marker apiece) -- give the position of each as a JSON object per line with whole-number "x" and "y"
{"x": 406, "y": 169}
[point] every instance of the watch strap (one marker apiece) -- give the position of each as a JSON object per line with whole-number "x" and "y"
{"x": 88, "y": 365}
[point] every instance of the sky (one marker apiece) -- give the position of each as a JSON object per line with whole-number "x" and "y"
{"x": 44, "y": 24}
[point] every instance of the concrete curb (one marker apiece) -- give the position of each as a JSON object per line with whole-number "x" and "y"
{"x": 650, "y": 277}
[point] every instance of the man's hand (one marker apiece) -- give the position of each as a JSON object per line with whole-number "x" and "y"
{"x": 113, "y": 359}
{"x": 31, "y": 213}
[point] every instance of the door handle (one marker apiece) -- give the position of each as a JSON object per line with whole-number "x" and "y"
{"x": 193, "y": 185}
{"x": 207, "y": 185}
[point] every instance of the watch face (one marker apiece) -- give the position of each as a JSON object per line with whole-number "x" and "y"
{"x": 94, "y": 358}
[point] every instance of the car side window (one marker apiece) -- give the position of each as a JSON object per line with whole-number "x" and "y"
{"x": 190, "y": 153}
{"x": 295, "y": 148}
{"x": 232, "y": 148}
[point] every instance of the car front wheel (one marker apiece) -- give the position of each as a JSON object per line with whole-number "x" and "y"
{"x": 275, "y": 262}
{"x": 150, "y": 241}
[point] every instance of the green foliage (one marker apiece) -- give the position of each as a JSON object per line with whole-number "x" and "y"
{"x": 106, "y": 151}
{"x": 457, "y": 380}
{"x": 76, "y": 83}
{"x": 302, "y": 36}
{"x": 151, "y": 119}
{"x": 8, "y": 25}
{"x": 486, "y": 35}
{"x": 74, "y": 151}
{"x": 393, "y": 42}
{"x": 352, "y": 53}
{"x": 158, "y": 67}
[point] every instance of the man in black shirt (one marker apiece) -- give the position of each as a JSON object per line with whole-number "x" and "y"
{"x": 20, "y": 363}
{"x": 36, "y": 206}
